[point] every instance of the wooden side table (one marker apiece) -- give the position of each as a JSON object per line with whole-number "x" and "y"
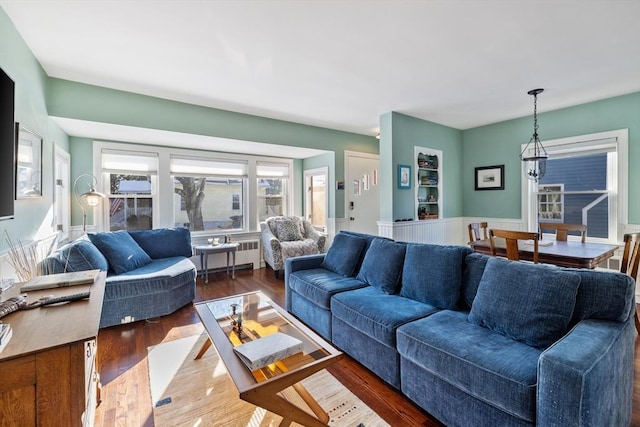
{"x": 206, "y": 250}
{"x": 48, "y": 369}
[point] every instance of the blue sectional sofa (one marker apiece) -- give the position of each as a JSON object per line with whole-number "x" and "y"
{"x": 149, "y": 273}
{"x": 475, "y": 340}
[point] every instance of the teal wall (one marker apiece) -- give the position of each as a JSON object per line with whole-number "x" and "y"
{"x": 33, "y": 217}
{"x": 500, "y": 144}
{"x": 399, "y": 134}
{"x": 85, "y": 102}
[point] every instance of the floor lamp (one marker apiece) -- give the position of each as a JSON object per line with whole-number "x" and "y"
{"x": 92, "y": 198}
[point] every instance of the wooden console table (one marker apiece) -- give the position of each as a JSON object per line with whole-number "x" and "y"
{"x": 48, "y": 370}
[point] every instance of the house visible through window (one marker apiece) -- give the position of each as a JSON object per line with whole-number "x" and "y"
{"x": 584, "y": 183}
{"x": 550, "y": 203}
{"x": 130, "y": 179}
{"x": 202, "y": 189}
{"x": 273, "y": 179}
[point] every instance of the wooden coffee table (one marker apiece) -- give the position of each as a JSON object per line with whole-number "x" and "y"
{"x": 263, "y": 387}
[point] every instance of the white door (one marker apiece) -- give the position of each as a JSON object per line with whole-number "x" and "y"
{"x": 62, "y": 191}
{"x": 362, "y": 208}
{"x": 316, "y": 199}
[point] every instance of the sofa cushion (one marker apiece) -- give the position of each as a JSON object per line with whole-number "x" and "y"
{"x": 474, "y": 265}
{"x": 344, "y": 254}
{"x": 122, "y": 252}
{"x": 319, "y": 285}
{"x": 481, "y": 362}
{"x": 377, "y": 314}
{"x": 526, "y": 302}
{"x": 164, "y": 242}
{"x": 382, "y": 265}
{"x": 79, "y": 255}
{"x": 433, "y": 273}
{"x": 603, "y": 295}
{"x": 288, "y": 229}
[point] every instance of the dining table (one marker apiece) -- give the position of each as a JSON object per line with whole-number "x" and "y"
{"x": 561, "y": 253}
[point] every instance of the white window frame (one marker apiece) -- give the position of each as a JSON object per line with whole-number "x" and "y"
{"x": 163, "y": 186}
{"x": 542, "y": 189}
{"x": 617, "y": 177}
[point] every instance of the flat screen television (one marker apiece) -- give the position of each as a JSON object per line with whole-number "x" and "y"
{"x": 7, "y": 146}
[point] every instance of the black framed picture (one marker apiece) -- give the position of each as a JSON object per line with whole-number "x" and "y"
{"x": 490, "y": 177}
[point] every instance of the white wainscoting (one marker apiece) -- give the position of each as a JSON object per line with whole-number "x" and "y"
{"x": 447, "y": 231}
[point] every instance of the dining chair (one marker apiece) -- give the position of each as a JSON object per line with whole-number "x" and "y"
{"x": 474, "y": 231}
{"x": 630, "y": 261}
{"x": 511, "y": 238}
{"x": 562, "y": 230}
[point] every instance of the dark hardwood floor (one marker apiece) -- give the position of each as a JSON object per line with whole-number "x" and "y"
{"x": 122, "y": 352}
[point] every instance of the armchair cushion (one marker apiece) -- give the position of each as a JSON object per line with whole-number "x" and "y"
{"x": 288, "y": 229}
{"x": 529, "y": 303}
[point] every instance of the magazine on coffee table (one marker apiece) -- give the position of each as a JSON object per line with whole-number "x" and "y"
{"x": 61, "y": 280}
{"x": 264, "y": 351}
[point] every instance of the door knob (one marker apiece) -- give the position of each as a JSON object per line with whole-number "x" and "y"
{"x": 352, "y": 218}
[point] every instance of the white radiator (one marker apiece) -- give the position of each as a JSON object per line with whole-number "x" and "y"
{"x": 248, "y": 253}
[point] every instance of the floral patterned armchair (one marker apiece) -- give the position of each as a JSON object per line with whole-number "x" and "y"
{"x": 288, "y": 236}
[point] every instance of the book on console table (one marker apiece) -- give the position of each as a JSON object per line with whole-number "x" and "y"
{"x": 264, "y": 351}
{"x": 61, "y": 280}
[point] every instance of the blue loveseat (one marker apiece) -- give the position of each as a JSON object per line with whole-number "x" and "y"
{"x": 149, "y": 273}
{"x": 475, "y": 340}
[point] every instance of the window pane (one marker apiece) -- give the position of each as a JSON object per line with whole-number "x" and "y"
{"x": 130, "y": 213}
{"x": 130, "y": 202}
{"x": 271, "y": 198}
{"x": 575, "y": 174}
{"x": 208, "y": 203}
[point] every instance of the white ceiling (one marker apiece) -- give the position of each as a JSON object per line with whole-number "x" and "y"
{"x": 341, "y": 64}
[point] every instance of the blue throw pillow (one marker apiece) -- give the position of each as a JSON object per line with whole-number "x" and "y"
{"x": 164, "y": 242}
{"x": 382, "y": 265}
{"x": 433, "y": 273}
{"x": 79, "y": 255}
{"x": 122, "y": 252}
{"x": 344, "y": 254}
{"x": 529, "y": 303}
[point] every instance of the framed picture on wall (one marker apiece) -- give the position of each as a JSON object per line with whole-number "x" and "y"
{"x": 404, "y": 177}
{"x": 29, "y": 164}
{"x": 490, "y": 178}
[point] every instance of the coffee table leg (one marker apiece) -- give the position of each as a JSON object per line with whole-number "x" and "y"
{"x": 203, "y": 349}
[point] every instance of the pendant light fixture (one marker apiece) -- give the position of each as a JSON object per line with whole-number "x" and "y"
{"x": 535, "y": 159}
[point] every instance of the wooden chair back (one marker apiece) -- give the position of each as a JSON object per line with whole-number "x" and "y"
{"x": 562, "y": 230}
{"x": 631, "y": 255}
{"x": 630, "y": 261}
{"x": 511, "y": 238}
{"x": 474, "y": 231}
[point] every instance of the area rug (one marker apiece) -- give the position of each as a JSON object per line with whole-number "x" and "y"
{"x": 187, "y": 392}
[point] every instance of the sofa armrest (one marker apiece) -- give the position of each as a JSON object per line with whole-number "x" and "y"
{"x": 306, "y": 262}
{"x": 586, "y": 378}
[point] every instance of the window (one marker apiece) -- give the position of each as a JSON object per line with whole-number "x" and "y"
{"x": 130, "y": 178}
{"x": 130, "y": 202}
{"x": 551, "y": 203}
{"x": 208, "y": 194}
{"x": 584, "y": 183}
{"x": 273, "y": 179}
